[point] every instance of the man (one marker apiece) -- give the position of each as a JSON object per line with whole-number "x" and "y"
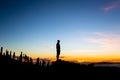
{"x": 58, "y": 49}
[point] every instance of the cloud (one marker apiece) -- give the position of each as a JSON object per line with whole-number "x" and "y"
{"x": 105, "y": 42}
{"x": 99, "y": 33}
{"x": 63, "y": 57}
{"x": 109, "y": 41}
{"x": 102, "y": 34}
{"x": 111, "y": 6}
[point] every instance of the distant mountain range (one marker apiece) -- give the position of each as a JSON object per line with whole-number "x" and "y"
{"x": 102, "y": 64}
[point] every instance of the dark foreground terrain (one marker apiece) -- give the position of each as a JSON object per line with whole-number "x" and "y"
{"x": 14, "y": 69}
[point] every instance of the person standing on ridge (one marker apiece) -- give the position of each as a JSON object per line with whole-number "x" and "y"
{"x": 58, "y": 49}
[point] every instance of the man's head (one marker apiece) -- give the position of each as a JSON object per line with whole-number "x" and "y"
{"x": 58, "y": 41}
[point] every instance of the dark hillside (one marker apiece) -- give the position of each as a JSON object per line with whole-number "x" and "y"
{"x": 61, "y": 69}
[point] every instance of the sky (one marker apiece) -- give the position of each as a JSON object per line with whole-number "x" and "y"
{"x": 88, "y": 30}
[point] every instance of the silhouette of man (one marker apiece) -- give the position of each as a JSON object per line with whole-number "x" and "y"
{"x": 58, "y": 49}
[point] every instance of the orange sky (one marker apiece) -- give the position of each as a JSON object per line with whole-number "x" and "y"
{"x": 85, "y": 58}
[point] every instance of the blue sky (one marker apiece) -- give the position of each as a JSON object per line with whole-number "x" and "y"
{"x": 85, "y": 27}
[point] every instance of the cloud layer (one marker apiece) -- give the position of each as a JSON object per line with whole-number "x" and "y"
{"x": 111, "y": 6}
{"x": 109, "y": 41}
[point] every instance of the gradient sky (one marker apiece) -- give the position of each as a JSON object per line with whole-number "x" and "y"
{"x": 89, "y": 30}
